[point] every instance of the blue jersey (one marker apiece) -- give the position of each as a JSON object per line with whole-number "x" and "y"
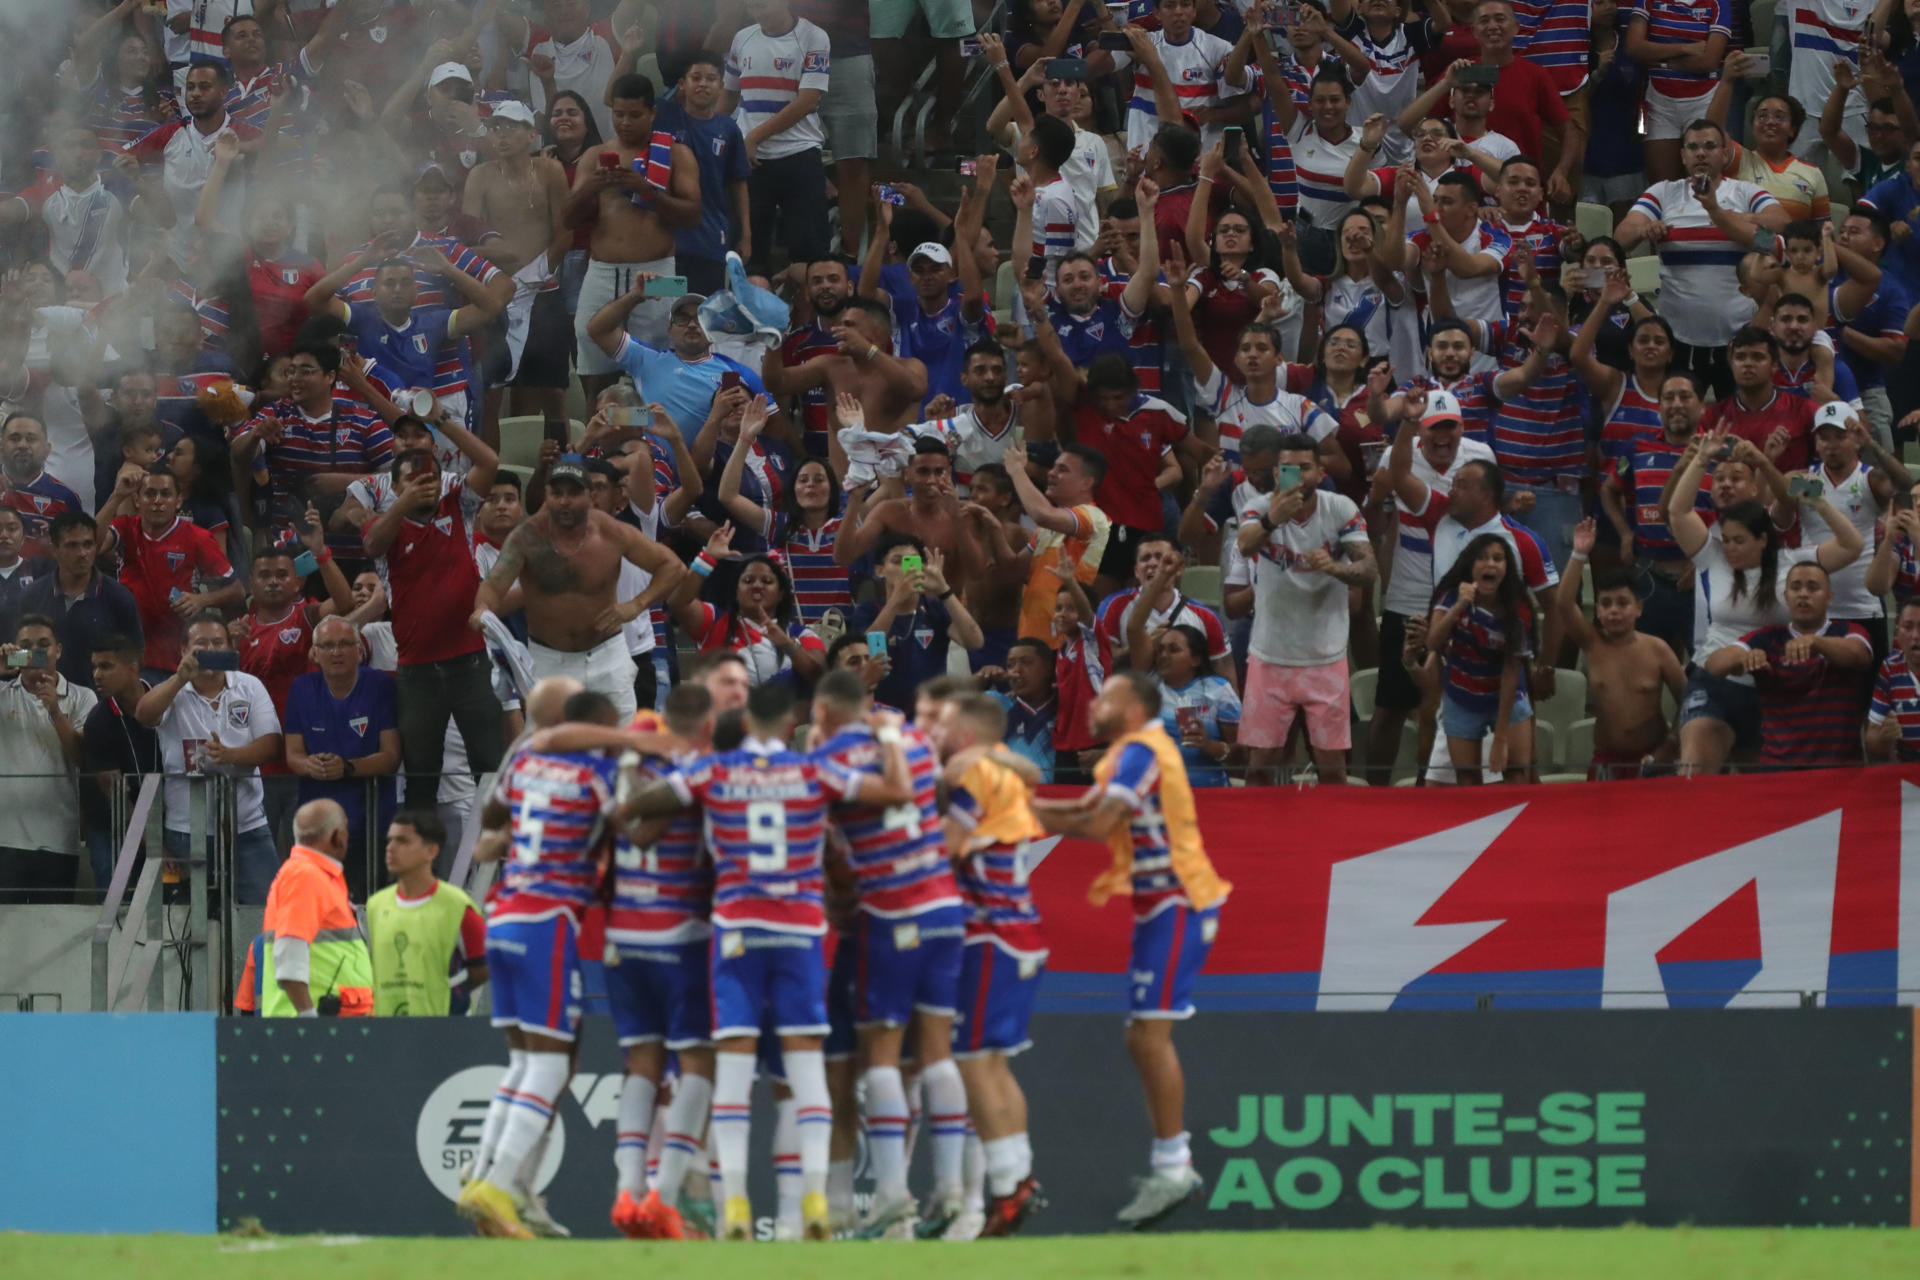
{"x": 1030, "y": 731}
{"x": 348, "y": 727}
{"x": 662, "y": 893}
{"x": 559, "y": 805}
{"x": 764, "y": 812}
{"x": 898, "y": 856}
{"x": 937, "y": 339}
{"x": 412, "y": 350}
{"x": 721, "y": 153}
{"x": 684, "y": 388}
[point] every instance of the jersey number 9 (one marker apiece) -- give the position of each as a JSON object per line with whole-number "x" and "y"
{"x": 767, "y": 826}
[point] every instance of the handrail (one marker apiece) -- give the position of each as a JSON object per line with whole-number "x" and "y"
{"x": 136, "y": 834}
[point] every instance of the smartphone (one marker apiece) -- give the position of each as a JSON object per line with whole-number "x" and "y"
{"x": 891, "y": 195}
{"x": 175, "y": 596}
{"x": 969, "y": 48}
{"x": 21, "y": 657}
{"x": 1573, "y": 276}
{"x": 1725, "y": 451}
{"x": 1702, "y": 183}
{"x": 667, "y": 287}
{"x": 1230, "y": 145}
{"x": 876, "y": 644}
{"x": 1189, "y": 719}
{"x": 912, "y": 564}
{"x": 1762, "y": 64}
{"x": 1066, "y": 68}
{"x": 609, "y": 159}
{"x": 729, "y": 380}
{"x": 969, "y": 168}
{"x": 1479, "y": 75}
{"x": 1902, "y": 500}
{"x": 1805, "y": 488}
{"x": 1114, "y": 42}
{"x": 631, "y": 416}
{"x": 306, "y": 563}
{"x": 1286, "y": 476}
{"x": 218, "y": 660}
{"x": 1036, "y": 268}
{"x": 1281, "y": 16}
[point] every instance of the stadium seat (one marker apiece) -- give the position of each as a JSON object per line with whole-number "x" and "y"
{"x": 1202, "y": 583}
{"x": 1644, "y": 272}
{"x": 1592, "y": 220}
{"x": 1563, "y": 777}
{"x": 1546, "y": 745}
{"x": 1004, "y": 287}
{"x": 1568, "y": 703}
{"x": 1579, "y": 752}
{"x": 520, "y": 439}
{"x": 1406, "y": 765}
{"x": 1357, "y": 782}
{"x": 1363, "y": 684}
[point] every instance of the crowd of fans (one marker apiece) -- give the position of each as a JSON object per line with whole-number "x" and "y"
{"x": 1254, "y": 346}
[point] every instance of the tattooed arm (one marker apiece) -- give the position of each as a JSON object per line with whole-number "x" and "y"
{"x": 506, "y": 572}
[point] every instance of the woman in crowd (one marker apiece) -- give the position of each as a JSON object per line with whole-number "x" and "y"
{"x": 1198, "y": 709}
{"x": 801, "y": 529}
{"x": 572, "y": 133}
{"x": 1481, "y": 635}
{"x": 761, "y": 621}
{"x": 1600, "y": 260}
{"x": 1356, "y": 295}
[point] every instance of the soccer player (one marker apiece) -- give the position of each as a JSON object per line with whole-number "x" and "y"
{"x": 1142, "y": 806}
{"x": 557, "y": 804}
{"x": 988, "y": 827}
{"x": 909, "y": 934}
{"x": 764, "y": 813}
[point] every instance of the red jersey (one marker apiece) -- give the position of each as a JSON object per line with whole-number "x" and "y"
{"x": 1783, "y": 411}
{"x": 154, "y": 568}
{"x": 1079, "y": 669}
{"x": 802, "y": 344}
{"x": 432, "y": 580}
{"x": 1134, "y": 445}
{"x": 280, "y": 298}
{"x": 1526, "y": 102}
{"x": 276, "y": 652}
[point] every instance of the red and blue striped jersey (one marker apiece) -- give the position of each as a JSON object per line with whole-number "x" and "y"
{"x": 1641, "y": 475}
{"x": 251, "y": 101}
{"x": 1540, "y": 435}
{"x": 1053, "y": 217}
{"x": 818, "y": 583}
{"x": 990, "y": 802}
{"x": 897, "y": 854}
{"x": 120, "y": 116}
{"x": 1555, "y": 36}
{"x": 764, "y": 815}
{"x": 1896, "y": 694}
{"x": 352, "y": 438}
{"x": 664, "y": 892}
{"x": 1906, "y": 570}
{"x": 38, "y": 502}
{"x": 1541, "y": 238}
{"x": 1634, "y": 414}
{"x": 1475, "y": 394}
{"x": 559, "y": 805}
{"x": 656, "y": 166}
{"x": 1682, "y": 22}
{"x": 803, "y": 343}
{"x": 1477, "y": 652}
{"x": 1320, "y": 172}
{"x": 1809, "y": 711}
{"x": 1193, "y": 68}
{"x": 1136, "y": 779}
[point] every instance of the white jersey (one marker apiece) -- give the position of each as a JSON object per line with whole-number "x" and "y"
{"x": 1719, "y": 618}
{"x": 1853, "y": 498}
{"x": 1300, "y": 616}
{"x": 1699, "y": 288}
{"x": 1393, "y": 81}
{"x": 1234, "y": 408}
{"x": 1482, "y": 297}
{"x": 1410, "y": 590}
{"x": 1320, "y": 170}
{"x": 585, "y": 65}
{"x": 768, "y": 72}
{"x": 241, "y": 713}
{"x": 1360, "y": 303}
{"x": 86, "y": 231}
{"x": 968, "y": 441}
{"x": 1822, "y": 32}
{"x": 1195, "y": 70}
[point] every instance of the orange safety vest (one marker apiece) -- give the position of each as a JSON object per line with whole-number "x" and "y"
{"x": 309, "y": 901}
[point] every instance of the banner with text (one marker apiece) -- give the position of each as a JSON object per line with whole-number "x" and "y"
{"x": 1675, "y": 893}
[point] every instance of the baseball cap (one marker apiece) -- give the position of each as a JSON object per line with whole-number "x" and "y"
{"x": 930, "y": 249}
{"x": 449, "y": 71}
{"x": 432, "y": 168}
{"x": 517, "y": 112}
{"x": 1442, "y": 406}
{"x": 1834, "y": 413}
{"x": 686, "y": 301}
{"x": 569, "y": 466}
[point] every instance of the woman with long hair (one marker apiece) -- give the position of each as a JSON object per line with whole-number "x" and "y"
{"x": 125, "y": 83}
{"x": 1598, "y": 261}
{"x": 200, "y": 468}
{"x": 761, "y": 622}
{"x": 1227, "y": 293}
{"x": 572, "y": 133}
{"x": 802, "y": 528}
{"x": 1896, "y": 560}
{"x": 1481, "y": 634}
{"x": 1198, "y": 708}
{"x": 1739, "y": 567}
{"x": 1360, "y": 293}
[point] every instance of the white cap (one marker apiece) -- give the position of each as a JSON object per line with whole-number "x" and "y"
{"x": 1835, "y": 414}
{"x": 516, "y": 111}
{"x": 1442, "y": 406}
{"x": 449, "y": 71}
{"x": 931, "y": 249}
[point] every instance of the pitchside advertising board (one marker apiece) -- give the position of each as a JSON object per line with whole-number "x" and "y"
{"x": 1757, "y": 1117}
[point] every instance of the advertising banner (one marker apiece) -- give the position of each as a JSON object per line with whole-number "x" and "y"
{"x": 1676, "y": 893}
{"x": 1298, "y": 1120}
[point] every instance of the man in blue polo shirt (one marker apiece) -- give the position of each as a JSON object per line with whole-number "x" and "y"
{"x": 86, "y": 605}
{"x": 682, "y": 380}
{"x": 342, "y": 726}
{"x": 693, "y": 117}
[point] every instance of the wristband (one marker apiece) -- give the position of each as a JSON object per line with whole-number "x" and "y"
{"x": 1430, "y": 217}
{"x": 887, "y": 735}
{"x": 1576, "y": 555}
{"x": 308, "y": 1012}
{"x": 1266, "y": 522}
{"x": 325, "y": 556}
{"x": 702, "y": 564}
{"x": 945, "y": 594}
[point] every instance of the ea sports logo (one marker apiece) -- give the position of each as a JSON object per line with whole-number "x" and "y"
{"x": 447, "y": 1136}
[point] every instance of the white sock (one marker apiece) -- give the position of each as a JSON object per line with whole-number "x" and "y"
{"x": 813, "y": 1112}
{"x": 1003, "y": 1166}
{"x": 657, "y": 1137}
{"x": 887, "y": 1132}
{"x": 947, "y": 1120}
{"x": 1171, "y": 1153}
{"x": 914, "y": 1095}
{"x": 529, "y": 1172}
{"x": 786, "y": 1159}
{"x": 630, "y": 1137}
{"x": 497, "y": 1111}
{"x": 732, "y": 1120}
{"x": 840, "y": 1188}
{"x": 533, "y": 1102}
{"x": 1026, "y": 1155}
{"x": 973, "y": 1168}
{"x": 685, "y": 1115}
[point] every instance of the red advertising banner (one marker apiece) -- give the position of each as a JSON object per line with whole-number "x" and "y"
{"x": 1708, "y": 892}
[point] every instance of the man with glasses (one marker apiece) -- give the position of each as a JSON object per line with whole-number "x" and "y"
{"x": 1778, "y": 122}
{"x": 684, "y": 377}
{"x": 342, "y": 736}
{"x": 40, "y": 717}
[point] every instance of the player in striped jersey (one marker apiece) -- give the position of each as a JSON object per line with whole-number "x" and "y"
{"x": 555, "y": 805}
{"x": 990, "y": 832}
{"x": 1893, "y": 721}
{"x": 908, "y": 935}
{"x": 764, "y": 810}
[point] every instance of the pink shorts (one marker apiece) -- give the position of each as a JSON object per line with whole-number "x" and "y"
{"x": 1275, "y": 694}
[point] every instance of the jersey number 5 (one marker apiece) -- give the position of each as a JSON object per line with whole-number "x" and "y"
{"x": 767, "y": 826}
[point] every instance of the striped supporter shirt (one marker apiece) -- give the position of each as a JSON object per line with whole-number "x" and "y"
{"x": 769, "y": 72}
{"x": 1477, "y": 653}
{"x": 1555, "y": 36}
{"x": 1809, "y": 711}
{"x": 1682, "y": 22}
{"x": 1896, "y": 693}
{"x": 1698, "y": 263}
{"x": 1640, "y": 476}
{"x": 1193, "y": 68}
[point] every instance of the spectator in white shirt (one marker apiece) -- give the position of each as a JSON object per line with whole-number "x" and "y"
{"x": 40, "y": 718}
{"x": 776, "y": 75}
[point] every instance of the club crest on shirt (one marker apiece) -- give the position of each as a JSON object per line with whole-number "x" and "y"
{"x": 1195, "y": 74}
{"x": 175, "y": 559}
{"x": 290, "y": 635}
{"x": 815, "y": 61}
{"x": 290, "y": 274}
{"x": 444, "y": 524}
{"x": 239, "y": 713}
{"x": 1096, "y": 331}
{"x": 420, "y": 343}
{"x": 783, "y": 64}
{"x": 924, "y": 635}
{"x": 359, "y": 725}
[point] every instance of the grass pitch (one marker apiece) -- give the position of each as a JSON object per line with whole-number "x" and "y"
{"x": 1641, "y": 1254}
